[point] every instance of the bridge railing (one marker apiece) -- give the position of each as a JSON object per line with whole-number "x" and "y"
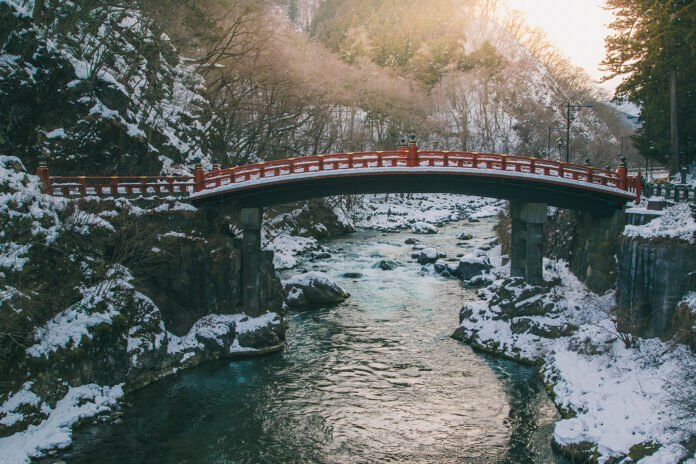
{"x": 406, "y": 157}
{"x": 81, "y": 186}
{"x": 400, "y": 159}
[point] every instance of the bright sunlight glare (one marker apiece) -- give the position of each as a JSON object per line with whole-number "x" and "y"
{"x": 576, "y": 27}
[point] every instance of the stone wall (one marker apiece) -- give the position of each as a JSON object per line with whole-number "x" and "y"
{"x": 198, "y": 272}
{"x": 654, "y": 276}
{"x": 589, "y": 244}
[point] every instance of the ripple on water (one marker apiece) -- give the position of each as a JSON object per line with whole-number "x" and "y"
{"x": 374, "y": 380}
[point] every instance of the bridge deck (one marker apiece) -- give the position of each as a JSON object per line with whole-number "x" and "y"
{"x": 404, "y": 170}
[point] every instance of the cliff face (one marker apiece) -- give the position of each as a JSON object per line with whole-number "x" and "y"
{"x": 651, "y": 266}
{"x": 589, "y": 244}
{"x": 114, "y": 293}
{"x": 654, "y": 276}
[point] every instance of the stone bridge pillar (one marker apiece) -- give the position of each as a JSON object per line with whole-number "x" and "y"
{"x": 527, "y": 241}
{"x": 252, "y": 219}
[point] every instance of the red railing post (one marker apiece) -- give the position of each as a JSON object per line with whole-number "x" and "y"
{"x": 83, "y": 182}
{"x": 412, "y": 152}
{"x": 198, "y": 178}
{"x": 42, "y": 172}
{"x": 622, "y": 173}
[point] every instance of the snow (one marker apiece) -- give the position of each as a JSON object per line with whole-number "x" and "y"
{"x": 394, "y": 212}
{"x": 620, "y": 396}
{"x": 215, "y": 327}
{"x": 8, "y": 409}
{"x": 311, "y": 279}
{"x": 56, "y": 134}
{"x": 56, "y": 431}
{"x": 476, "y": 257}
{"x": 676, "y": 222}
{"x": 690, "y": 301}
{"x": 429, "y": 253}
{"x": 68, "y": 328}
{"x": 423, "y": 228}
{"x": 286, "y": 248}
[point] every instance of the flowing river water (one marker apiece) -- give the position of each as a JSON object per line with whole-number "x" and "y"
{"x": 376, "y": 379}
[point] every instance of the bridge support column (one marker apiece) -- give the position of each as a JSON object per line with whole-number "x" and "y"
{"x": 527, "y": 241}
{"x": 252, "y": 219}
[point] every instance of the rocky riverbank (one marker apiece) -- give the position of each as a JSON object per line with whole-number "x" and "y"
{"x": 101, "y": 297}
{"x": 623, "y": 398}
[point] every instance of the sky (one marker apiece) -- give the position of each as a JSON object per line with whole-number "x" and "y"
{"x": 576, "y": 27}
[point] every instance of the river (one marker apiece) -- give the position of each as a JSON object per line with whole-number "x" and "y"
{"x": 376, "y": 379}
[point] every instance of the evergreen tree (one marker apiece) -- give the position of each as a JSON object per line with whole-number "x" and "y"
{"x": 292, "y": 10}
{"x": 651, "y": 38}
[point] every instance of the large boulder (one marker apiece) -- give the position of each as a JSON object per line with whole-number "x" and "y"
{"x": 515, "y": 298}
{"x": 427, "y": 256}
{"x": 473, "y": 265}
{"x": 423, "y": 228}
{"x": 312, "y": 289}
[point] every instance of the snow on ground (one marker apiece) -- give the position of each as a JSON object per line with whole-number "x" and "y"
{"x": 395, "y": 212}
{"x": 286, "y": 248}
{"x": 99, "y": 305}
{"x": 676, "y": 222}
{"x": 55, "y": 432}
{"x": 616, "y": 396}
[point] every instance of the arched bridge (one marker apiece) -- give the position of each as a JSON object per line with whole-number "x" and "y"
{"x": 408, "y": 170}
{"x": 529, "y": 183}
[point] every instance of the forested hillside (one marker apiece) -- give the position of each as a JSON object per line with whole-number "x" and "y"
{"x": 127, "y": 86}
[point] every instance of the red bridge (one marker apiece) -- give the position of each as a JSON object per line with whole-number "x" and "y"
{"x": 529, "y": 183}
{"x": 406, "y": 170}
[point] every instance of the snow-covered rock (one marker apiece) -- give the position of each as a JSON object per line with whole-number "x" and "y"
{"x": 619, "y": 395}
{"x": 473, "y": 265}
{"x": 312, "y": 289}
{"x": 423, "y": 228}
{"x": 676, "y": 222}
{"x": 427, "y": 255}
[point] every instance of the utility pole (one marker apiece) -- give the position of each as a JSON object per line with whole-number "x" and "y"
{"x": 676, "y": 162}
{"x": 570, "y": 108}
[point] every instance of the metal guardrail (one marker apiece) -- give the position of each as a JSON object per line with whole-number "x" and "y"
{"x": 680, "y": 193}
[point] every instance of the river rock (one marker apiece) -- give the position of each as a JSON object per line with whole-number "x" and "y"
{"x": 262, "y": 336}
{"x": 352, "y": 275}
{"x": 428, "y": 256}
{"x": 523, "y": 325}
{"x": 312, "y": 288}
{"x": 514, "y": 298}
{"x": 387, "y": 265}
{"x": 423, "y": 228}
{"x": 473, "y": 264}
{"x": 464, "y": 236}
{"x": 320, "y": 255}
{"x": 411, "y": 241}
